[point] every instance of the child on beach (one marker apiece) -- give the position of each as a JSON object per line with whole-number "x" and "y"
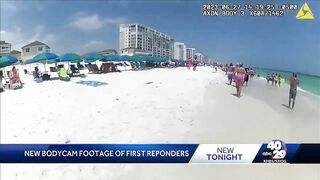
{"x": 279, "y": 80}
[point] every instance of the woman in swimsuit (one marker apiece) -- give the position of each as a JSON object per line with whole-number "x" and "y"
{"x": 230, "y": 73}
{"x": 240, "y": 79}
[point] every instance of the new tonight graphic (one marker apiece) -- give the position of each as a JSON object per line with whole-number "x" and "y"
{"x": 275, "y": 151}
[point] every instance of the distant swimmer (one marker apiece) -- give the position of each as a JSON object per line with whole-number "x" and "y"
{"x": 230, "y": 73}
{"x": 239, "y": 79}
{"x": 294, "y": 82}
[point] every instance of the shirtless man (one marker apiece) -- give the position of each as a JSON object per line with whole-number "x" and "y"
{"x": 239, "y": 78}
{"x": 294, "y": 82}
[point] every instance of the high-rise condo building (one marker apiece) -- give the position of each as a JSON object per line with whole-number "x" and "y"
{"x": 139, "y": 39}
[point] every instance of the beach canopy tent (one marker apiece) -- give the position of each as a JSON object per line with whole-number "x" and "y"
{"x": 112, "y": 57}
{"x": 70, "y": 57}
{"x": 7, "y": 61}
{"x": 92, "y": 57}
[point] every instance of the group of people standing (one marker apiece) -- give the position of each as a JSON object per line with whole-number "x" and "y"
{"x": 238, "y": 74}
{"x": 275, "y": 79}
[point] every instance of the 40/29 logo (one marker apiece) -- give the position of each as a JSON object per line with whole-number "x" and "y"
{"x": 275, "y": 152}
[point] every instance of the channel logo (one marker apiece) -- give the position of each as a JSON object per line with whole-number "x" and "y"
{"x": 275, "y": 152}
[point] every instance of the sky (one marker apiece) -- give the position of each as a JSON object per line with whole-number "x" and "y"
{"x": 81, "y": 26}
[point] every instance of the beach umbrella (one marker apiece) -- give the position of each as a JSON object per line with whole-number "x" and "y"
{"x": 45, "y": 57}
{"x": 148, "y": 58}
{"x": 91, "y": 57}
{"x": 7, "y": 61}
{"x": 112, "y": 57}
{"x": 124, "y": 58}
{"x": 29, "y": 61}
{"x": 70, "y": 57}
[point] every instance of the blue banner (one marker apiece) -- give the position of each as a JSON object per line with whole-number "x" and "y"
{"x": 96, "y": 153}
{"x": 276, "y": 151}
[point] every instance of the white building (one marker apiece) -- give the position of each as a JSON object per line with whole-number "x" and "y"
{"x": 145, "y": 39}
{"x": 180, "y": 51}
{"x": 190, "y": 52}
{"x": 5, "y": 48}
{"x": 32, "y": 49}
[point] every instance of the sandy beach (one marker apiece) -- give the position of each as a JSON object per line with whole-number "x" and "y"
{"x": 157, "y": 106}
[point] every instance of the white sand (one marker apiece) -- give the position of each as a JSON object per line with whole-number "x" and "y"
{"x": 179, "y": 106}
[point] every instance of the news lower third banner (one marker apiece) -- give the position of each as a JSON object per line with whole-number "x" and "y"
{"x": 274, "y": 152}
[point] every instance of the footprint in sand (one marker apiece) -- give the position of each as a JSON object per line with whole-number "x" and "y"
{"x": 67, "y": 141}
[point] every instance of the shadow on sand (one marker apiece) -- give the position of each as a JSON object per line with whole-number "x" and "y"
{"x": 284, "y": 105}
{"x": 236, "y": 95}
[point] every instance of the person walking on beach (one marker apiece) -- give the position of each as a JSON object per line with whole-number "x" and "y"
{"x": 230, "y": 73}
{"x": 195, "y": 63}
{"x": 239, "y": 78}
{"x": 189, "y": 63}
{"x": 268, "y": 78}
{"x": 279, "y": 79}
{"x": 272, "y": 79}
{"x": 246, "y": 76}
{"x": 294, "y": 82}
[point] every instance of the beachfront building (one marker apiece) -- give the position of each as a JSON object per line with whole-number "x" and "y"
{"x": 136, "y": 38}
{"x": 32, "y": 49}
{"x": 108, "y": 52}
{"x": 134, "y": 51}
{"x": 180, "y": 51}
{"x": 190, "y": 52}
{"x": 5, "y": 48}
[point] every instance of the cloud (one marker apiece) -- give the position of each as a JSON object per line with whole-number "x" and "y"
{"x": 91, "y": 22}
{"x": 8, "y": 5}
{"x": 18, "y": 38}
{"x": 87, "y": 22}
{"x": 94, "y": 46}
{"x": 117, "y": 20}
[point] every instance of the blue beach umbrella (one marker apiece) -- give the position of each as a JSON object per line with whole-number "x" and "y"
{"x": 70, "y": 57}
{"x": 30, "y": 61}
{"x": 91, "y": 57}
{"x": 46, "y": 57}
{"x": 112, "y": 57}
{"x": 7, "y": 61}
{"x": 124, "y": 58}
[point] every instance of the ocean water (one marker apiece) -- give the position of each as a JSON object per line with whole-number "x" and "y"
{"x": 309, "y": 83}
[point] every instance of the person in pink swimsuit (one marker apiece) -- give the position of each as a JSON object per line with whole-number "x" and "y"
{"x": 239, "y": 79}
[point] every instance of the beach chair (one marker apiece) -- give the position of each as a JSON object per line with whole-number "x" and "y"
{"x": 95, "y": 69}
{"x": 74, "y": 71}
{"x": 53, "y": 69}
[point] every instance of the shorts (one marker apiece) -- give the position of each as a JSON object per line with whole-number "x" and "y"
{"x": 230, "y": 75}
{"x": 292, "y": 93}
